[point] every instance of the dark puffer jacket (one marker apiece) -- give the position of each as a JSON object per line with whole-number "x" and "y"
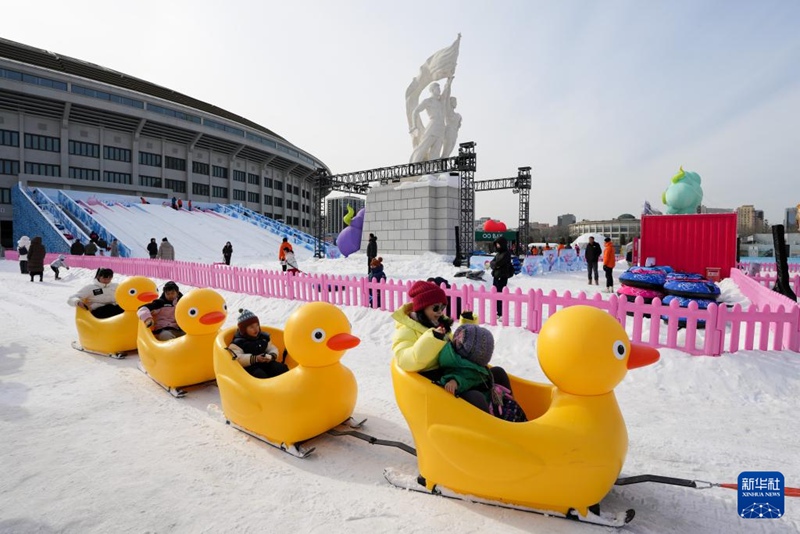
{"x": 501, "y": 264}
{"x": 36, "y": 255}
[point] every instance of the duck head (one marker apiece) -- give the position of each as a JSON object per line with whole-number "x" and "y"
{"x": 317, "y": 334}
{"x": 134, "y": 292}
{"x": 585, "y": 351}
{"x": 201, "y": 312}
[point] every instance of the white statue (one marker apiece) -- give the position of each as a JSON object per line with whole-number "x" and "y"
{"x": 429, "y": 138}
{"x": 441, "y": 65}
{"x": 452, "y": 123}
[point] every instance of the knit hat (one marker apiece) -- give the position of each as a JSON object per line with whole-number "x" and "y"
{"x": 171, "y": 286}
{"x": 474, "y": 343}
{"x": 424, "y": 294}
{"x": 246, "y": 318}
{"x": 376, "y": 262}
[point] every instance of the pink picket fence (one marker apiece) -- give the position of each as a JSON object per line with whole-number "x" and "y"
{"x": 770, "y": 323}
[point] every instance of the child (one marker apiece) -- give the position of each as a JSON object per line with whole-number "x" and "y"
{"x": 57, "y": 264}
{"x": 376, "y": 274}
{"x": 160, "y": 314}
{"x": 464, "y": 363}
{"x": 253, "y": 350}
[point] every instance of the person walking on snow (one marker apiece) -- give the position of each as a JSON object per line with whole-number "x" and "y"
{"x": 609, "y": 261}
{"x": 165, "y": 250}
{"x": 592, "y": 254}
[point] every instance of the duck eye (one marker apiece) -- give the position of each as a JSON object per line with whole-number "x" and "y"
{"x": 619, "y": 350}
{"x": 193, "y": 312}
{"x": 132, "y": 291}
{"x": 318, "y": 335}
{"x": 225, "y": 308}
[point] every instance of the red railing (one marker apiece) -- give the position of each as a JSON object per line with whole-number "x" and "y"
{"x": 771, "y": 323}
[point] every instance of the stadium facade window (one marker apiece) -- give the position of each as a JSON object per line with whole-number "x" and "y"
{"x": 200, "y": 168}
{"x": 220, "y": 192}
{"x": 268, "y": 182}
{"x": 277, "y": 185}
{"x": 174, "y": 113}
{"x": 42, "y": 169}
{"x": 176, "y": 164}
{"x": 239, "y": 176}
{"x": 116, "y": 154}
{"x": 219, "y": 126}
{"x": 5, "y": 195}
{"x": 149, "y": 181}
{"x": 277, "y": 202}
{"x": 219, "y": 172}
{"x": 150, "y": 159}
{"x": 295, "y": 205}
{"x": 200, "y": 189}
{"x": 117, "y": 177}
{"x": 253, "y": 179}
{"x": 42, "y": 142}
{"x": 261, "y": 140}
{"x": 252, "y": 197}
{"x": 268, "y": 200}
{"x": 238, "y": 194}
{"x": 296, "y": 221}
{"x": 111, "y": 97}
{"x": 79, "y": 148}
{"x": 9, "y": 138}
{"x": 176, "y": 185}
{"x": 9, "y": 166}
{"x": 35, "y": 80}
{"x": 84, "y": 174}
{"x": 295, "y": 190}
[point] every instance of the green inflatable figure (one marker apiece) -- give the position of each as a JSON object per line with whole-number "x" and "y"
{"x": 684, "y": 193}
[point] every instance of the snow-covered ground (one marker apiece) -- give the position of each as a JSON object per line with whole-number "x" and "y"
{"x": 90, "y": 444}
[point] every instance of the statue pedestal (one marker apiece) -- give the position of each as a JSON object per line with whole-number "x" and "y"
{"x": 413, "y": 216}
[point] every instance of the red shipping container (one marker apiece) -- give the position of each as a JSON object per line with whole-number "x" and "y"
{"x": 691, "y": 243}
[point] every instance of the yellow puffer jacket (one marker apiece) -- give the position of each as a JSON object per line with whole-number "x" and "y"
{"x": 414, "y": 345}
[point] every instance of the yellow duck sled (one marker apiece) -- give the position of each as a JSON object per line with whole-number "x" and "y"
{"x": 186, "y": 360}
{"x": 115, "y": 336}
{"x": 315, "y": 395}
{"x": 566, "y": 457}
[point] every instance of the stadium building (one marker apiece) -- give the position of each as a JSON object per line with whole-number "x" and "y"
{"x": 72, "y": 125}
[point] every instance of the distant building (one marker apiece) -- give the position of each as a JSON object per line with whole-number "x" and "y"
{"x": 336, "y": 209}
{"x": 790, "y": 219}
{"x": 621, "y": 230}
{"x": 480, "y": 222}
{"x": 751, "y": 220}
{"x": 705, "y": 209}
{"x": 566, "y": 220}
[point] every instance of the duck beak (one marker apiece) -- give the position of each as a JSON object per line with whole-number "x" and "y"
{"x": 212, "y": 318}
{"x": 148, "y": 297}
{"x": 343, "y": 342}
{"x": 642, "y": 355}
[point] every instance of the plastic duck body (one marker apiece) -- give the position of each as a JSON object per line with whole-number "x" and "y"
{"x": 569, "y": 452}
{"x": 188, "y": 359}
{"x": 315, "y": 395}
{"x": 116, "y": 334}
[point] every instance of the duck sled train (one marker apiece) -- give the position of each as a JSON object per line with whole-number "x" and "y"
{"x": 115, "y": 355}
{"x": 412, "y": 483}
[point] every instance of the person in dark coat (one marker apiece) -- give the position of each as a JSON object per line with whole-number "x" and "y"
{"x": 36, "y": 254}
{"x": 376, "y": 274}
{"x": 502, "y": 268}
{"x": 152, "y": 248}
{"x": 253, "y": 349}
{"x": 94, "y": 237}
{"x": 372, "y": 250}
{"x": 227, "y": 251}
{"x": 90, "y": 249}
{"x": 77, "y": 248}
{"x": 592, "y": 255}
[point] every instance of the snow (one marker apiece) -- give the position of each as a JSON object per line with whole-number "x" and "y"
{"x": 91, "y": 445}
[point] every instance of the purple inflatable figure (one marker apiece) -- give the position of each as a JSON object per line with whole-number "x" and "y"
{"x": 349, "y": 239}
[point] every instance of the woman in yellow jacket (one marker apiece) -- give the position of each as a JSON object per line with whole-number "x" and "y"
{"x": 609, "y": 261}
{"x": 422, "y": 330}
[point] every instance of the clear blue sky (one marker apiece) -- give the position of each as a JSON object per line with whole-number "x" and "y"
{"x": 605, "y": 100}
